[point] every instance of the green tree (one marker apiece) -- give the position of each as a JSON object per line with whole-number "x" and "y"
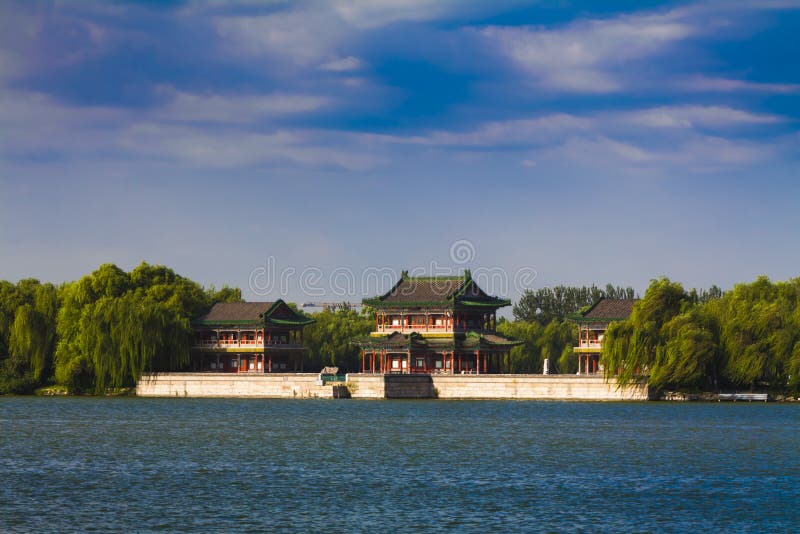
{"x": 113, "y": 326}
{"x": 633, "y": 347}
{"x": 547, "y": 304}
{"x": 330, "y": 339}
{"x": 553, "y": 341}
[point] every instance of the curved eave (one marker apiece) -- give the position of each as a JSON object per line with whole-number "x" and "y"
{"x": 596, "y": 319}
{"x": 496, "y": 303}
{"x": 401, "y": 305}
{"x": 290, "y": 322}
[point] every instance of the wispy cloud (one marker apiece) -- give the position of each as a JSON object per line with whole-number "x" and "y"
{"x": 726, "y": 85}
{"x": 233, "y": 108}
{"x": 659, "y": 139}
{"x": 188, "y": 131}
{"x": 693, "y": 154}
{"x": 344, "y": 64}
{"x": 689, "y": 116}
{"x": 377, "y": 13}
{"x": 231, "y": 149}
{"x": 551, "y": 128}
{"x": 300, "y": 37}
{"x": 589, "y": 56}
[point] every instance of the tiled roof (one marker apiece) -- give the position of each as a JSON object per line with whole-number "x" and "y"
{"x": 611, "y": 309}
{"x": 276, "y": 313}
{"x": 423, "y": 290}
{"x": 436, "y": 291}
{"x": 236, "y": 311}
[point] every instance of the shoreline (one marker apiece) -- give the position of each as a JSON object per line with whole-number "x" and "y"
{"x": 387, "y": 386}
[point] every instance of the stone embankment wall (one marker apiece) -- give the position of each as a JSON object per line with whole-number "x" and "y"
{"x": 367, "y": 386}
{"x": 278, "y": 385}
{"x": 556, "y": 387}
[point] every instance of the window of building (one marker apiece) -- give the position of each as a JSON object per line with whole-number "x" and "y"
{"x": 420, "y": 362}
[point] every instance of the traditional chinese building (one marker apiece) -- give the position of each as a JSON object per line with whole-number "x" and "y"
{"x": 592, "y": 326}
{"x": 435, "y": 325}
{"x": 249, "y": 337}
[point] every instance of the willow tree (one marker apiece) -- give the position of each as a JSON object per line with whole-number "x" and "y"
{"x": 556, "y": 344}
{"x": 31, "y": 338}
{"x": 687, "y": 356}
{"x": 760, "y": 332}
{"x": 636, "y": 346}
{"x": 526, "y": 357}
{"x": 330, "y": 338}
{"x": 126, "y": 337}
{"x": 113, "y": 326}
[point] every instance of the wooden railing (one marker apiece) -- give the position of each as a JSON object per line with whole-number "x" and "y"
{"x": 228, "y": 344}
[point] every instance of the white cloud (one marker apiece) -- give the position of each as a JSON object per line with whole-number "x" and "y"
{"x": 552, "y": 129}
{"x": 695, "y": 153}
{"x": 518, "y": 132}
{"x": 302, "y": 37}
{"x": 234, "y": 108}
{"x": 376, "y": 13}
{"x": 697, "y": 116}
{"x": 41, "y": 125}
{"x": 724, "y": 85}
{"x": 344, "y": 64}
{"x": 230, "y": 149}
{"x": 585, "y": 56}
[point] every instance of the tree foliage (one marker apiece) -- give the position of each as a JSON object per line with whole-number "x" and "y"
{"x": 27, "y": 334}
{"x": 553, "y": 341}
{"x": 548, "y": 304}
{"x": 329, "y": 339}
{"x": 747, "y": 337}
{"x": 103, "y": 330}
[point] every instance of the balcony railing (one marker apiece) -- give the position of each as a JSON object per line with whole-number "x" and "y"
{"x": 590, "y": 345}
{"x": 426, "y": 328}
{"x": 232, "y": 344}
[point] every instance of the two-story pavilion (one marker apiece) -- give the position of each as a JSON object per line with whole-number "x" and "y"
{"x": 249, "y": 337}
{"x": 592, "y": 326}
{"x": 435, "y": 325}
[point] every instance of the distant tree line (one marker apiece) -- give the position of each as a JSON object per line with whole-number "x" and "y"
{"x": 549, "y": 304}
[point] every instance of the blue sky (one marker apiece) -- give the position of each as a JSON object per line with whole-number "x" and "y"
{"x": 576, "y": 142}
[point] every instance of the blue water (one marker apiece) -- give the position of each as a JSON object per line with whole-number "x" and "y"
{"x": 88, "y": 464}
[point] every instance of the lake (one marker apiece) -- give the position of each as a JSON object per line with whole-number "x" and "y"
{"x": 122, "y": 464}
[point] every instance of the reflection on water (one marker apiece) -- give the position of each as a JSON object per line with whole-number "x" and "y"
{"x": 202, "y": 464}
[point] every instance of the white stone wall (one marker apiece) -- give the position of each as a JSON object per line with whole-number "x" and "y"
{"x": 367, "y": 386}
{"x": 277, "y": 385}
{"x": 555, "y": 387}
